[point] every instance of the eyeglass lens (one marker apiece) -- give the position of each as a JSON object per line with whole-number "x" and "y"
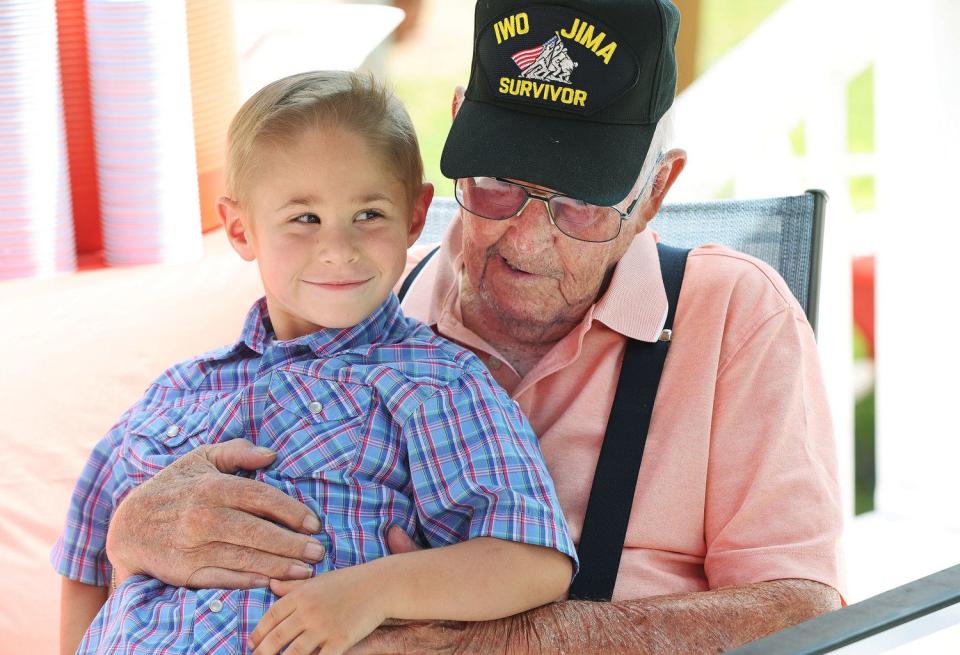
{"x": 494, "y": 199}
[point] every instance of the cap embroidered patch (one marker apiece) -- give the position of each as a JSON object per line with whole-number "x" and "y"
{"x": 549, "y": 62}
{"x": 556, "y": 58}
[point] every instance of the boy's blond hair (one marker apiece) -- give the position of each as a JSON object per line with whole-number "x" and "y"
{"x": 282, "y": 111}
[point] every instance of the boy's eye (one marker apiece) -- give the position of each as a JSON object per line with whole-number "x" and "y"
{"x": 369, "y": 215}
{"x": 307, "y": 218}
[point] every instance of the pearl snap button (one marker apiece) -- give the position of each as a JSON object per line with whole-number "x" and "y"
{"x": 215, "y": 605}
{"x": 173, "y": 431}
{"x": 315, "y": 407}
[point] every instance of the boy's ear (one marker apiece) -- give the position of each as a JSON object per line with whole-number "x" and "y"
{"x": 420, "y": 206}
{"x": 457, "y": 100}
{"x": 233, "y": 224}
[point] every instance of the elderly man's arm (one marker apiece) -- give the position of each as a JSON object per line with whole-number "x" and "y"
{"x": 703, "y": 622}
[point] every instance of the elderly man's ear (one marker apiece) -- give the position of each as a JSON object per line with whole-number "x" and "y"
{"x": 457, "y": 100}
{"x": 667, "y": 173}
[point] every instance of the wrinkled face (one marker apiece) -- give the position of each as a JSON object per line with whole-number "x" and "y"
{"x": 329, "y": 227}
{"x": 524, "y": 275}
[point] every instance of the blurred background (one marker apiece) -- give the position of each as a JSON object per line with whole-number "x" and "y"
{"x": 113, "y": 115}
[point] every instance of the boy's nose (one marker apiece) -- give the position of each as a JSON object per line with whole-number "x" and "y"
{"x": 338, "y": 246}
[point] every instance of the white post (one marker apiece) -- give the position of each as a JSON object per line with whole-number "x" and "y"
{"x": 826, "y": 153}
{"x": 918, "y": 350}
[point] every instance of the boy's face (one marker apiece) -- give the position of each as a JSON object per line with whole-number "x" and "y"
{"x": 329, "y": 225}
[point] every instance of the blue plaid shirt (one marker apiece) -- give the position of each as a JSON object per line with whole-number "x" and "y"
{"x": 383, "y": 423}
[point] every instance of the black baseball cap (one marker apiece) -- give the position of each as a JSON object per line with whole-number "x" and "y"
{"x": 565, "y": 94}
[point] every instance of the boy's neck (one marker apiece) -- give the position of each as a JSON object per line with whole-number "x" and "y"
{"x": 288, "y": 326}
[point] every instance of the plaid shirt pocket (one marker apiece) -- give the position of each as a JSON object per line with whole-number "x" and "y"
{"x": 156, "y": 438}
{"x": 317, "y": 423}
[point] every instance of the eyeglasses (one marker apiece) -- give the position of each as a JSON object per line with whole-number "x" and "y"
{"x": 497, "y": 199}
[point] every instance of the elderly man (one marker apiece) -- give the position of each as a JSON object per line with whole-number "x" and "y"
{"x": 548, "y": 273}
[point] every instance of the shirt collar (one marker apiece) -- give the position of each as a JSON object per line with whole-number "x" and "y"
{"x": 379, "y": 327}
{"x": 257, "y": 329}
{"x": 635, "y": 303}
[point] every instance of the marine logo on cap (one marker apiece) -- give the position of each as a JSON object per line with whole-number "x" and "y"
{"x": 549, "y": 62}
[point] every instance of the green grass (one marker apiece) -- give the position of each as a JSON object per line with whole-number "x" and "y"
{"x": 428, "y": 101}
{"x": 864, "y": 453}
{"x": 725, "y": 192}
{"x": 724, "y": 23}
{"x": 860, "y": 136}
{"x": 798, "y": 139}
{"x": 860, "y": 120}
{"x": 864, "y": 448}
{"x": 863, "y": 193}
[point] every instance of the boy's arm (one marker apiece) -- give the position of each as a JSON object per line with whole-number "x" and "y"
{"x": 476, "y": 580}
{"x": 79, "y": 604}
{"x": 78, "y": 555}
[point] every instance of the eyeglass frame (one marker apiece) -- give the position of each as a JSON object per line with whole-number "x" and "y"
{"x": 624, "y": 215}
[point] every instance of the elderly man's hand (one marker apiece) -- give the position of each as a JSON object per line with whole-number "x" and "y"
{"x": 195, "y": 525}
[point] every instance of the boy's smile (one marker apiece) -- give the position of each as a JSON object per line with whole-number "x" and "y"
{"x": 339, "y": 285}
{"x": 329, "y": 226}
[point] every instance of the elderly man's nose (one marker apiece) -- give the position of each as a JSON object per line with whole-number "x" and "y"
{"x": 532, "y": 230}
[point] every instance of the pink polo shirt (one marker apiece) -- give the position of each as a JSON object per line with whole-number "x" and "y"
{"x": 739, "y": 477}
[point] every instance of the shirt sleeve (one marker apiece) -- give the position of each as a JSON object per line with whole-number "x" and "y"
{"x": 81, "y": 551}
{"x": 477, "y": 471}
{"x": 773, "y": 506}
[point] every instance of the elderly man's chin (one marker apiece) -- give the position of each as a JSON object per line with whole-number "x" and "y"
{"x": 513, "y": 296}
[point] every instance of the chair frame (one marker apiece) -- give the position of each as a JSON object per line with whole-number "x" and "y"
{"x": 820, "y": 198}
{"x": 912, "y": 602}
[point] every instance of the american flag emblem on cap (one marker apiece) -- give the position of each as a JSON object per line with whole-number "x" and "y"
{"x": 549, "y": 62}
{"x": 524, "y": 58}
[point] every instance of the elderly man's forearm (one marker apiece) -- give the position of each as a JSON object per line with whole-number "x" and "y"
{"x": 704, "y": 622}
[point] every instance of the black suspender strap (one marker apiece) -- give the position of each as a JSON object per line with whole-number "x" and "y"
{"x": 615, "y": 478}
{"x": 412, "y": 275}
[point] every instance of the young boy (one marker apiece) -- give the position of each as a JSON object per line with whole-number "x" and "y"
{"x": 375, "y": 420}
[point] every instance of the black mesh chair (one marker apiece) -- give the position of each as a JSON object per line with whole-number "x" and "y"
{"x": 786, "y": 232}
